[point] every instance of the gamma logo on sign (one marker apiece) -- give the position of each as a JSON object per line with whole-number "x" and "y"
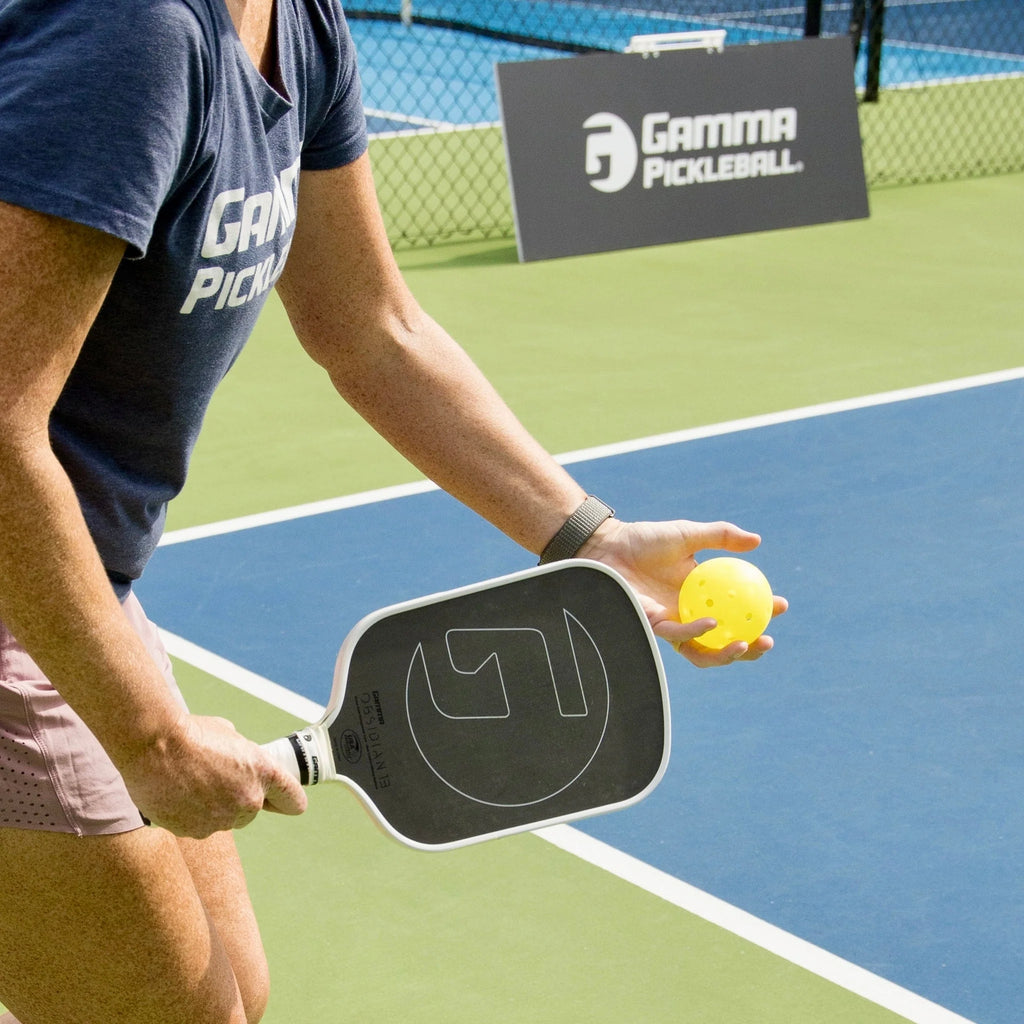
{"x": 690, "y": 150}
{"x": 612, "y": 155}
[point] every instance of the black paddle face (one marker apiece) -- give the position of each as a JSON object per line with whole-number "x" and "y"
{"x": 496, "y": 710}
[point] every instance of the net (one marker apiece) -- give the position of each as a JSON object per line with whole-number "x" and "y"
{"x": 941, "y": 84}
{"x": 582, "y": 26}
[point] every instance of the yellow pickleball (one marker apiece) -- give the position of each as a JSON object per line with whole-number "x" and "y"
{"x": 733, "y": 592}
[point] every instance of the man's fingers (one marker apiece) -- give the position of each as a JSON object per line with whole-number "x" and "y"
{"x": 284, "y": 794}
{"x": 725, "y": 537}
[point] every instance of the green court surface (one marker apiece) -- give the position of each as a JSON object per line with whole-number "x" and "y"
{"x": 588, "y": 351}
{"x": 358, "y": 927}
{"x": 609, "y": 347}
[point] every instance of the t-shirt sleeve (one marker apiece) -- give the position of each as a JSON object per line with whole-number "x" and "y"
{"x": 339, "y": 135}
{"x": 101, "y": 107}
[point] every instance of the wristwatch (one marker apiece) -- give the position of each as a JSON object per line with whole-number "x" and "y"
{"x": 576, "y": 530}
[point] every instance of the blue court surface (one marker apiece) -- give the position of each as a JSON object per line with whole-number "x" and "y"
{"x": 860, "y": 787}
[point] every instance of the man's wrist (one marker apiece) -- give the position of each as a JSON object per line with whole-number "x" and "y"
{"x": 576, "y": 530}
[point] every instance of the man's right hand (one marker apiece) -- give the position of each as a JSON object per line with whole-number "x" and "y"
{"x": 206, "y": 777}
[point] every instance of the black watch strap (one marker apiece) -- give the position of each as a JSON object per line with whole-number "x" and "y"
{"x": 576, "y": 530}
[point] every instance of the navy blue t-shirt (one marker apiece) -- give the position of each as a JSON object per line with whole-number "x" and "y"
{"x": 147, "y": 119}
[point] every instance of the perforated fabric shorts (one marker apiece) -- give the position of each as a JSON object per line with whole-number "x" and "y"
{"x": 54, "y": 775}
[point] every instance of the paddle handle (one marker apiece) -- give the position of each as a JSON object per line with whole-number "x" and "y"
{"x": 302, "y": 755}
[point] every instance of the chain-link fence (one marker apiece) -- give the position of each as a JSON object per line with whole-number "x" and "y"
{"x": 941, "y": 84}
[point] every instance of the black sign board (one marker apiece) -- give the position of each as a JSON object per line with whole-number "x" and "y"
{"x": 612, "y": 151}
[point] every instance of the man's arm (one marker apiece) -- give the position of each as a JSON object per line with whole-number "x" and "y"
{"x": 54, "y": 593}
{"x": 394, "y": 365}
{"x": 355, "y": 316}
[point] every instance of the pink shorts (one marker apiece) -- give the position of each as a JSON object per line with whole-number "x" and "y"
{"x": 54, "y": 775}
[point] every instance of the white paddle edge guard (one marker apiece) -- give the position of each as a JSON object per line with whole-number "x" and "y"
{"x": 313, "y": 741}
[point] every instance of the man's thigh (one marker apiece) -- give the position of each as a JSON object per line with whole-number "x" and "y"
{"x": 111, "y": 929}
{"x": 217, "y": 874}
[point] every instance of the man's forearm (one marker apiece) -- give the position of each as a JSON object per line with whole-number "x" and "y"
{"x": 423, "y": 393}
{"x": 56, "y": 599}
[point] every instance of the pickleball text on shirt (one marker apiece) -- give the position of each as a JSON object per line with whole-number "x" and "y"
{"x": 242, "y": 223}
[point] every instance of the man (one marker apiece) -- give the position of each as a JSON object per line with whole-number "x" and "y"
{"x": 151, "y": 153}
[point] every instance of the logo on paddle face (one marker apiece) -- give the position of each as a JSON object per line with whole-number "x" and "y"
{"x": 351, "y": 747}
{"x": 509, "y": 717}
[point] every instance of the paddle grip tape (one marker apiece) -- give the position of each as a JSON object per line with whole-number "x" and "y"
{"x": 302, "y": 757}
{"x": 576, "y": 530}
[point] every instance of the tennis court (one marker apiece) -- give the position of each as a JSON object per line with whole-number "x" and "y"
{"x": 839, "y": 837}
{"x": 418, "y": 65}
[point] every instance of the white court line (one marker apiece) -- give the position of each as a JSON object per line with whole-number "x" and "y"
{"x": 760, "y": 933}
{"x": 798, "y": 951}
{"x": 249, "y": 682}
{"x": 283, "y": 515}
{"x": 409, "y": 119}
{"x": 586, "y": 454}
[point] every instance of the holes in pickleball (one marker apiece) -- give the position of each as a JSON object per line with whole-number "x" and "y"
{"x": 740, "y": 600}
